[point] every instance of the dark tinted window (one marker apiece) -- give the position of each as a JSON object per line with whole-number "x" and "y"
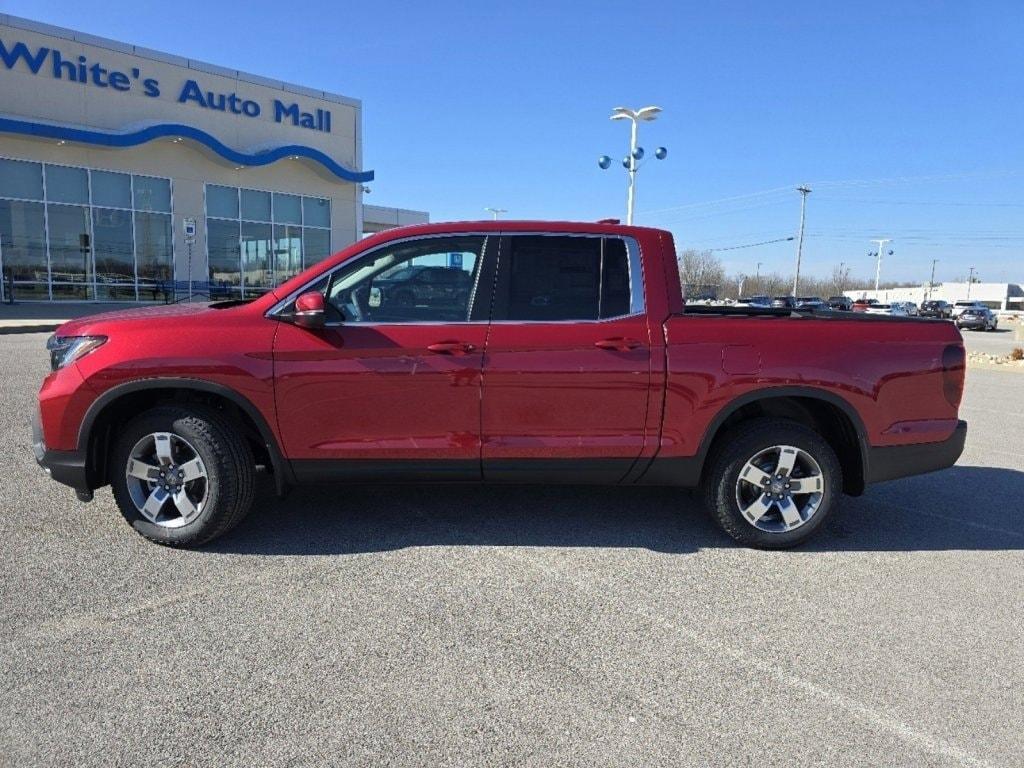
{"x": 550, "y": 278}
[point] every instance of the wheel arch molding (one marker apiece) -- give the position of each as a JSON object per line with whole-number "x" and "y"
{"x": 767, "y": 397}
{"x": 782, "y": 401}
{"x": 94, "y": 416}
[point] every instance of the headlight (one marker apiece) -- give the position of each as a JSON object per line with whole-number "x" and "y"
{"x": 64, "y": 350}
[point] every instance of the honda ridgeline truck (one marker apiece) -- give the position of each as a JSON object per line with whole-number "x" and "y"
{"x": 548, "y": 352}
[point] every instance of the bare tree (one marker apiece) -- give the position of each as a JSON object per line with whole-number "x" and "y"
{"x": 701, "y": 273}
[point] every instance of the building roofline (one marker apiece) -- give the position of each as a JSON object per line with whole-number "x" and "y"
{"x": 29, "y": 25}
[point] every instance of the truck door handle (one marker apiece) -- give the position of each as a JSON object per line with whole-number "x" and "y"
{"x": 451, "y": 347}
{"x": 619, "y": 344}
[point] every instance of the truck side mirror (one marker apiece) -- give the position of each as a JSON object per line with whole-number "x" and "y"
{"x": 310, "y": 311}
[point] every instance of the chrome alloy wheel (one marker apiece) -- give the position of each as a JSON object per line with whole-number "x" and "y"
{"x": 780, "y": 488}
{"x": 167, "y": 480}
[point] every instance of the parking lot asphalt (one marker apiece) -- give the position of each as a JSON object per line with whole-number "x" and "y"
{"x": 517, "y": 626}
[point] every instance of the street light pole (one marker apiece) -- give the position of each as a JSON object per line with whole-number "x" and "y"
{"x": 804, "y": 191}
{"x": 636, "y": 152}
{"x": 931, "y": 280}
{"x": 878, "y": 259}
{"x": 970, "y": 280}
{"x": 495, "y": 212}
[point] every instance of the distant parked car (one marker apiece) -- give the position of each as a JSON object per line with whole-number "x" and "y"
{"x": 975, "y": 319}
{"x": 937, "y": 308}
{"x": 810, "y": 302}
{"x": 861, "y": 305}
{"x": 841, "y": 303}
{"x": 961, "y": 306}
{"x": 755, "y": 301}
{"x": 909, "y": 307}
{"x": 784, "y": 302}
{"x": 893, "y": 310}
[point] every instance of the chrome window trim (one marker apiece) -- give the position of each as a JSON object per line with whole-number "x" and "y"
{"x": 637, "y": 306}
{"x": 330, "y": 272}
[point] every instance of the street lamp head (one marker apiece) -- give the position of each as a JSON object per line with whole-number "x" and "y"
{"x": 627, "y": 162}
{"x": 648, "y": 113}
{"x": 604, "y": 162}
{"x": 661, "y": 153}
{"x": 638, "y": 153}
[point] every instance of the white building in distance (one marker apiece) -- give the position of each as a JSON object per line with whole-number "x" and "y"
{"x": 1004, "y": 296}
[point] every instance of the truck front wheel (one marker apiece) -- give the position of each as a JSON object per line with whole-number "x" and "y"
{"x": 182, "y": 475}
{"x": 771, "y": 483}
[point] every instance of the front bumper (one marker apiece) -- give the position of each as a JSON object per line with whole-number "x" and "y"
{"x": 67, "y": 467}
{"x": 895, "y": 461}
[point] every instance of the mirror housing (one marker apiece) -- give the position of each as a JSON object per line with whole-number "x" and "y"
{"x": 310, "y": 311}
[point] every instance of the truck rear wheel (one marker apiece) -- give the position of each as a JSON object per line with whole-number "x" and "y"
{"x": 771, "y": 483}
{"x": 182, "y": 475}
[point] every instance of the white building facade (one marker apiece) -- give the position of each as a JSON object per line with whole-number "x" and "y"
{"x": 999, "y": 296}
{"x": 128, "y": 174}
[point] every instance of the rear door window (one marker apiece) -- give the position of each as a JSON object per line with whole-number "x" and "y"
{"x": 548, "y": 278}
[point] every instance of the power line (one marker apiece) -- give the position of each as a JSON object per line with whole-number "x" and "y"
{"x": 753, "y": 245}
{"x": 839, "y": 183}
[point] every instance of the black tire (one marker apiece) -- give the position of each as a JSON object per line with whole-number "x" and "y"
{"x": 229, "y": 464}
{"x": 728, "y": 458}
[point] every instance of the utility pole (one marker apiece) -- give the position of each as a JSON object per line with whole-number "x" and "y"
{"x": 842, "y": 276}
{"x": 969, "y": 281}
{"x": 931, "y": 280}
{"x": 804, "y": 191}
{"x": 878, "y": 258}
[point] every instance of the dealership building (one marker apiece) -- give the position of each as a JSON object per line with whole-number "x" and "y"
{"x": 127, "y": 174}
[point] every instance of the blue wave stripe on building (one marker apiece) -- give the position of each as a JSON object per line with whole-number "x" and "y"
{"x": 174, "y": 130}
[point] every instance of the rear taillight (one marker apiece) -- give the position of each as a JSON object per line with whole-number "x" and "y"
{"x": 953, "y": 364}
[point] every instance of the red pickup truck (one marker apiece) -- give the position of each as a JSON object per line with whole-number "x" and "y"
{"x": 530, "y": 352}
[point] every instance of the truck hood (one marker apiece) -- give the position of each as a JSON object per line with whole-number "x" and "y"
{"x": 84, "y": 326}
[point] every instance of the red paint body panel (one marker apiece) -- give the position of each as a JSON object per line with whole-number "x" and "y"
{"x": 231, "y": 347}
{"x": 887, "y": 372}
{"x": 550, "y": 393}
{"x": 529, "y": 391}
{"x": 377, "y": 392}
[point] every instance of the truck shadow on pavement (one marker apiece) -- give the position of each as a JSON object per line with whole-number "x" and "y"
{"x": 962, "y": 508}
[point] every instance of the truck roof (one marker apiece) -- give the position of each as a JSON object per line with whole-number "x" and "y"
{"x": 514, "y": 225}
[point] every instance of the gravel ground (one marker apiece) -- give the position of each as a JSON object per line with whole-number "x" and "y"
{"x": 528, "y": 626}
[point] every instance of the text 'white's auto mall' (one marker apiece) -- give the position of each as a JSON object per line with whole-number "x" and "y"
{"x": 127, "y": 174}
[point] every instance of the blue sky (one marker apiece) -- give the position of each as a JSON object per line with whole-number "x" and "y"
{"x": 907, "y": 119}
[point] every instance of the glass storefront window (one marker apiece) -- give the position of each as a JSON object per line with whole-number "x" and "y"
{"x": 316, "y": 244}
{"x": 257, "y": 257}
{"x": 67, "y": 185}
{"x": 89, "y": 240}
{"x": 287, "y": 209}
{"x": 152, "y": 194}
{"x": 221, "y": 202}
{"x": 316, "y": 212}
{"x": 247, "y": 254}
{"x": 21, "y": 179}
{"x": 222, "y": 243}
{"x": 287, "y": 252}
{"x": 112, "y": 190}
{"x": 23, "y": 248}
{"x": 70, "y": 249}
{"x": 255, "y": 205}
{"x": 113, "y": 246}
{"x": 153, "y": 238}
